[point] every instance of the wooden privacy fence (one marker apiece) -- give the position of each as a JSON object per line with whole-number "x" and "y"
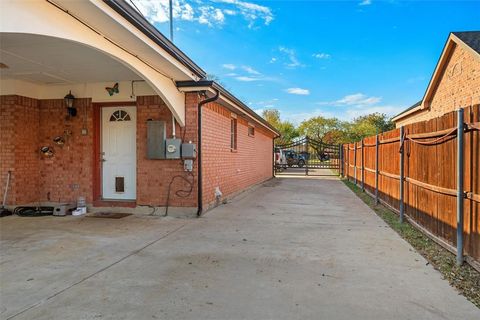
{"x": 429, "y": 173}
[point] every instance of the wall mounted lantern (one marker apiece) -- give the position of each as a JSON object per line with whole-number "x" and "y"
{"x": 69, "y": 98}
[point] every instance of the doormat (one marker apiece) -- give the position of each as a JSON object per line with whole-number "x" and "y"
{"x": 109, "y": 215}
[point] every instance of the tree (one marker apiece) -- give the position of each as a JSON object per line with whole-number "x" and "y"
{"x": 327, "y": 130}
{"x": 368, "y": 125}
{"x": 287, "y": 130}
{"x": 272, "y": 116}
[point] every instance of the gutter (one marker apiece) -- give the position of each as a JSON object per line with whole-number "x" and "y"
{"x": 416, "y": 107}
{"x": 407, "y": 113}
{"x": 142, "y": 24}
{"x": 199, "y": 151}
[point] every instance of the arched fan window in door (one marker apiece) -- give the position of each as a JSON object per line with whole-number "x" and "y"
{"x": 120, "y": 115}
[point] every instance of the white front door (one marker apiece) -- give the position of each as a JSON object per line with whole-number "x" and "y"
{"x": 119, "y": 153}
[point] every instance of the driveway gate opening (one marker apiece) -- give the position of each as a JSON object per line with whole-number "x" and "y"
{"x": 307, "y": 156}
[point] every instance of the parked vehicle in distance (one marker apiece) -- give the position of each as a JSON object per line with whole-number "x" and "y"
{"x": 295, "y": 159}
{"x": 280, "y": 160}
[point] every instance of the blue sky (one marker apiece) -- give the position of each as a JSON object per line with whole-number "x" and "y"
{"x": 308, "y": 58}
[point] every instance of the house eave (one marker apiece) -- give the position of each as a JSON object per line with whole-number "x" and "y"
{"x": 407, "y": 113}
{"x": 227, "y": 98}
{"x": 450, "y": 44}
{"x": 142, "y": 24}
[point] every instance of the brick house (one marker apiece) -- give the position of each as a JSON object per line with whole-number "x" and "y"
{"x": 455, "y": 82}
{"x": 134, "y": 136}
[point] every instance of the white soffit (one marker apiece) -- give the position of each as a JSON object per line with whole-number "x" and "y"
{"x": 104, "y": 19}
{"x": 50, "y": 60}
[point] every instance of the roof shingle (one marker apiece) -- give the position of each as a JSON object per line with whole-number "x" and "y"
{"x": 471, "y": 38}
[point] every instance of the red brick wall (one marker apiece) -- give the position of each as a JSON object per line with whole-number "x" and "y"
{"x": 154, "y": 176}
{"x": 68, "y": 174}
{"x": 231, "y": 171}
{"x": 7, "y": 147}
{"x": 19, "y": 123}
{"x": 458, "y": 86}
{"x": 28, "y": 124}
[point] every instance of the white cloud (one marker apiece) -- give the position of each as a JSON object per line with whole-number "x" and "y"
{"x": 229, "y": 66}
{"x": 211, "y": 13}
{"x": 250, "y": 70}
{"x": 359, "y": 104}
{"x": 249, "y": 74}
{"x": 158, "y": 11}
{"x": 267, "y": 103}
{"x": 390, "y": 111}
{"x": 211, "y": 16}
{"x": 356, "y": 99}
{"x": 251, "y": 11}
{"x": 247, "y": 78}
{"x": 297, "y": 117}
{"x": 273, "y": 60}
{"x": 321, "y": 55}
{"x": 293, "y": 61}
{"x": 365, "y": 3}
{"x": 229, "y": 12}
{"x": 299, "y": 91}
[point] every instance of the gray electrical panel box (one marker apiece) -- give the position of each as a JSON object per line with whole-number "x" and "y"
{"x": 156, "y": 134}
{"x": 173, "y": 148}
{"x": 189, "y": 151}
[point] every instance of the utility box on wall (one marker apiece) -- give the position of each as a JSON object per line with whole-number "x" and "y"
{"x": 189, "y": 151}
{"x": 173, "y": 148}
{"x": 156, "y": 134}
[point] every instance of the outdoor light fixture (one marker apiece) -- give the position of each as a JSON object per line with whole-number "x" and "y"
{"x": 69, "y": 98}
{"x": 47, "y": 151}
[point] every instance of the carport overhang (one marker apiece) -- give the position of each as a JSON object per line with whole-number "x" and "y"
{"x": 99, "y": 26}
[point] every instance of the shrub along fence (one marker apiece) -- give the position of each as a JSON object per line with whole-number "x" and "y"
{"x": 429, "y": 173}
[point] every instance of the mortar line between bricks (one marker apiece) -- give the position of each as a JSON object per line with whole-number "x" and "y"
{"x": 95, "y": 273}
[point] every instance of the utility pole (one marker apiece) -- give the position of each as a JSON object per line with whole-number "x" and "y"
{"x": 171, "y": 19}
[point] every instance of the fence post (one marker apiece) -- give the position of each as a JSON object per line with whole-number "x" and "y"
{"x": 376, "y": 169}
{"x": 363, "y": 166}
{"x": 355, "y": 162}
{"x": 306, "y": 160}
{"x": 460, "y": 191}
{"x": 340, "y": 149}
{"x": 402, "y": 209}
{"x": 347, "y": 167}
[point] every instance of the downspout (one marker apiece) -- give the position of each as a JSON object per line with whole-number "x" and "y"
{"x": 199, "y": 150}
{"x": 274, "y": 160}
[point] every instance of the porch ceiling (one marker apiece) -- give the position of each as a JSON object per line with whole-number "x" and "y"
{"x": 49, "y": 60}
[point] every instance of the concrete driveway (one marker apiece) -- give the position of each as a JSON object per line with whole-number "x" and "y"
{"x": 291, "y": 249}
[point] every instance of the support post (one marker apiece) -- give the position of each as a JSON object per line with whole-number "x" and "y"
{"x": 363, "y": 165}
{"x": 460, "y": 190}
{"x": 347, "y": 162}
{"x": 376, "y": 169}
{"x": 170, "y": 10}
{"x": 342, "y": 164}
{"x": 402, "y": 178}
{"x": 306, "y": 160}
{"x": 355, "y": 162}
{"x": 339, "y": 160}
